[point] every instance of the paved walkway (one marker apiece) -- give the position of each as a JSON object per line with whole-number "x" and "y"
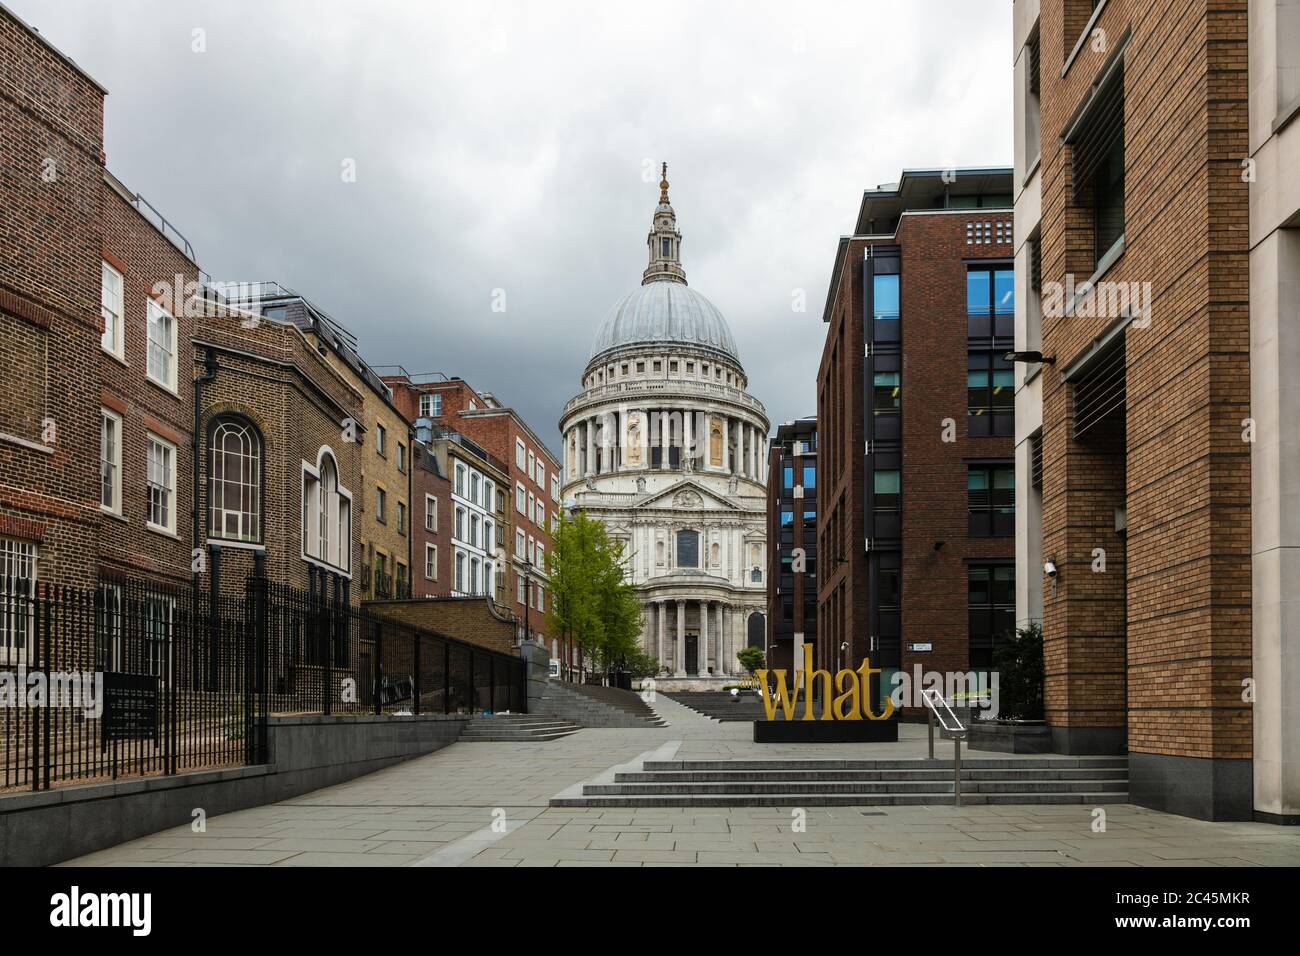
{"x": 485, "y": 804}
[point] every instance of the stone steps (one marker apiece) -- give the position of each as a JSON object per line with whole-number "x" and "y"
{"x": 865, "y": 782}
{"x": 839, "y": 776}
{"x": 605, "y": 707}
{"x": 840, "y": 800}
{"x": 516, "y": 727}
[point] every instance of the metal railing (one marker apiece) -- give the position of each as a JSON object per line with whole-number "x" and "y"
{"x": 136, "y": 678}
{"x": 937, "y": 709}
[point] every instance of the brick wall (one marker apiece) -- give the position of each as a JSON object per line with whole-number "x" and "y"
{"x": 473, "y": 620}
{"x": 1164, "y": 634}
{"x": 52, "y": 156}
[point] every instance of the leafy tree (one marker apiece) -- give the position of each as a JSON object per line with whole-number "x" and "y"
{"x": 1019, "y": 663}
{"x": 592, "y": 601}
{"x": 752, "y": 659}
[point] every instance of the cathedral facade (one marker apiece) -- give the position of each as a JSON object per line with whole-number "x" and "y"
{"x": 665, "y": 445}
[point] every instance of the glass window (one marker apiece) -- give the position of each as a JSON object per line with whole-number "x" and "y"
{"x": 161, "y": 484}
{"x": 787, "y": 477}
{"x": 110, "y": 308}
{"x": 110, "y": 461}
{"x": 381, "y": 500}
{"x": 887, "y": 393}
{"x": 809, "y": 476}
{"x": 688, "y": 549}
{"x": 885, "y": 303}
{"x": 234, "y": 481}
{"x": 161, "y": 365}
{"x": 887, "y": 486}
{"x": 991, "y": 500}
{"x": 431, "y": 562}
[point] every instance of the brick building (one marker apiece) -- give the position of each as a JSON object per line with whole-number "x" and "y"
{"x": 381, "y": 501}
{"x": 430, "y": 499}
{"x": 1134, "y": 226}
{"x": 51, "y": 259}
{"x": 792, "y": 542}
{"x": 280, "y": 474}
{"x": 914, "y": 419}
{"x": 147, "y": 401}
{"x": 530, "y": 496}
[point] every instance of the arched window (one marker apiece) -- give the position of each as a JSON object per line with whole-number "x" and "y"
{"x": 326, "y": 514}
{"x": 756, "y": 631}
{"x": 234, "y": 481}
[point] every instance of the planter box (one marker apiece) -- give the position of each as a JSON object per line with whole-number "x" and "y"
{"x": 1029, "y": 737}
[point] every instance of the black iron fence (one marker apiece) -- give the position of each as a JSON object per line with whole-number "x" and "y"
{"x": 138, "y": 678}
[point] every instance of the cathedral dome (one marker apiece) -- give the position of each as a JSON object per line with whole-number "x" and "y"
{"x": 665, "y": 310}
{"x": 664, "y": 313}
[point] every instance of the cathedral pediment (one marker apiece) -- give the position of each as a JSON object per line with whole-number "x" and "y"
{"x": 687, "y": 495}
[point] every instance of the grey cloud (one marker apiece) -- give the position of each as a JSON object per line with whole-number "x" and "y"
{"x": 502, "y": 145}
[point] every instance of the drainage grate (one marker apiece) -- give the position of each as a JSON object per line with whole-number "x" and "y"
{"x": 874, "y": 813}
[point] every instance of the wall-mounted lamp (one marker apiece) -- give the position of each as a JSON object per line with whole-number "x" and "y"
{"x": 1033, "y": 358}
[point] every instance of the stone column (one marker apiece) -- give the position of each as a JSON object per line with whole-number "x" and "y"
{"x": 663, "y": 439}
{"x": 723, "y": 643}
{"x": 704, "y": 637}
{"x": 726, "y": 444}
{"x": 661, "y": 612}
{"x": 688, "y": 437}
{"x": 679, "y": 656}
{"x": 753, "y": 452}
{"x": 589, "y": 466}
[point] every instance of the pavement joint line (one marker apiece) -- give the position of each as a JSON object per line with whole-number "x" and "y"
{"x": 468, "y": 847}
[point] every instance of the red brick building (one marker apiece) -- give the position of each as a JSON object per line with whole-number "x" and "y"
{"x": 51, "y": 256}
{"x": 914, "y": 420}
{"x": 792, "y": 543}
{"x": 530, "y": 501}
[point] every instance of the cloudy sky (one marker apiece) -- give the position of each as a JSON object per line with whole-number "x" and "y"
{"x": 515, "y": 146}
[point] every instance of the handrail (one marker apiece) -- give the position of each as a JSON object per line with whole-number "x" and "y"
{"x": 952, "y": 724}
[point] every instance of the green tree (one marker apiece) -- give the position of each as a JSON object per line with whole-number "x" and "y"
{"x": 592, "y": 602}
{"x": 1019, "y": 663}
{"x": 752, "y": 659}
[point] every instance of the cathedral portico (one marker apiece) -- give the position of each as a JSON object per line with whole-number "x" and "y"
{"x": 667, "y": 448}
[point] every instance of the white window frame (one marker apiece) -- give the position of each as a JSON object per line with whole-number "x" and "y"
{"x": 17, "y": 627}
{"x": 521, "y": 542}
{"x": 540, "y": 518}
{"x": 431, "y": 513}
{"x": 519, "y": 498}
{"x": 519, "y": 452}
{"x": 111, "y": 306}
{"x": 555, "y": 488}
{"x": 431, "y": 562}
{"x": 114, "y": 461}
{"x": 169, "y": 488}
{"x": 154, "y": 314}
{"x": 340, "y": 556}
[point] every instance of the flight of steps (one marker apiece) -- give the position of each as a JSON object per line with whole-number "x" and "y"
{"x": 516, "y": 727}
{"x": 720, "y": 706}
{"x": 828, "y": 783}
{"x": 592, "y": 706}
